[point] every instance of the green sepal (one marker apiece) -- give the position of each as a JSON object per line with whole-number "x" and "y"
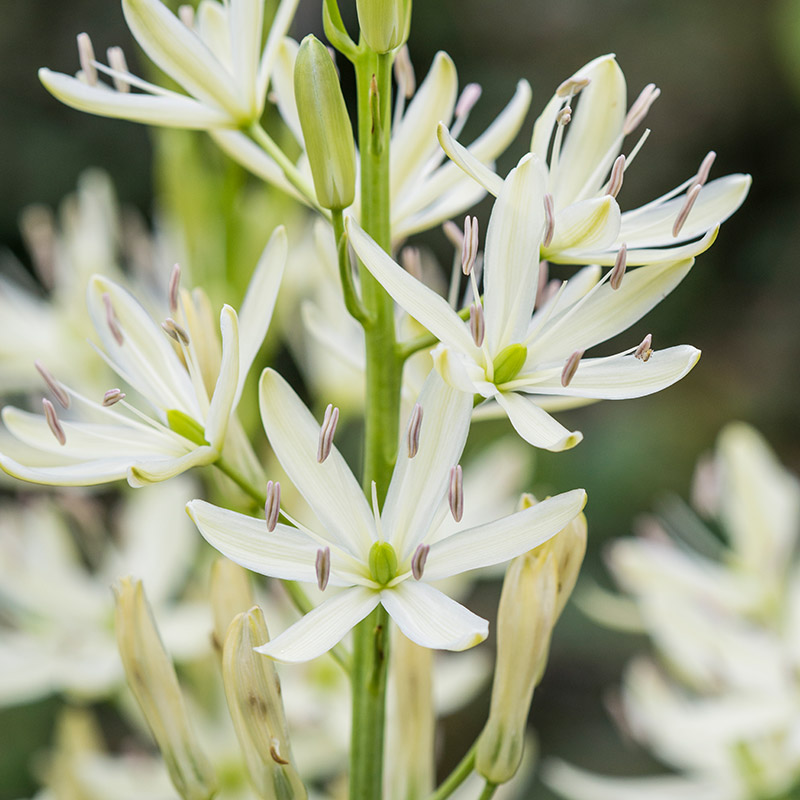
{"x": 186, "y": 426}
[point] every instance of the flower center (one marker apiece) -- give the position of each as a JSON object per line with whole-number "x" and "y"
{"x": 382, "y": 563}
{"x": 508, "y": 362}
{"x": 186, "y": 426}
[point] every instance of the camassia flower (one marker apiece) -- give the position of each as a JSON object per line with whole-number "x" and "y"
{"x": 386, "y": 557}
{"x": 584, "y": 174}
{"x": 524, "y": 343}
{"x": 176, "y": 367}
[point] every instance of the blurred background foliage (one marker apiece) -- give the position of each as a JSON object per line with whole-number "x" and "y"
{"x": 729, "y": 71}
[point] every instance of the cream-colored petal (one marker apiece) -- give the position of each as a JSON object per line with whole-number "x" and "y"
{"x": 282, "y": 83}
{"x": 246, "y": 24}
{"x": 535, "y": 425}
{"x": 587, "y": 225}
{"x": 473, "y": 166}
{"x": 85, "y": 473}
{"x": 144, "y": 472}
{"x": 225, "y": 389}
{"x": 278, "y": 30}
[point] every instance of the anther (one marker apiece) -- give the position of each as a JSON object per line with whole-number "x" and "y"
{"x": 477, "y": 323}
{"x": 411, "y": 261}
{"x": 466, "y": 102}
{"x": 86, "y": 56}
{"x": 456, "y": 494}
{"x": 53, "y": 385}
{"x": 549, "y": 219}
{"x": 469, "y": 248}
{"x": 551, "y": 290}
{"x": 418, "y": 560}
{"x": 117, "y": 62}
{"x": 414, "y": 427}
{"x": 53, "y": 422}
{"x": 112, "y": 397}
{"x": 618, "y": 270}
{"x": 275, "y": 751}
{"x": 454, "y": 234}
{"x": 174, "y": 286}
{"x": 111, "y": 320}
{"x": 571, "y": 86}
{"x": 544, "y": 272}
{"x": 323, "y": 567}
{"x": 404, "y": 73}
{"x": 617, "y": 174}
{"x": 175, "y": 331}
{"x": 638, "y": 111}
{"x": 272, "y": 507}
{"x": 186, "y": 15}
{"x": 564, "y": 117}
{"x": 703, "y": 172}
{"x": 326, "y": 432}
{"x": 644, "y": 350}
{"x": 680, "y": 220}
{"x": 571, "y": 367}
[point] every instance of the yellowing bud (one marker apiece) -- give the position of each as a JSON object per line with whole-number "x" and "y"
{"x": 154, "y": 684}
{"x": 384, "y": 23}
{"x": 326, "y": 126}
{"x": 231, "y": 594}
{"x": 253, "y": 693}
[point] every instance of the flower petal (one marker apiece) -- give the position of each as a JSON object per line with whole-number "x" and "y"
{"x": 431, "y": 619}
{"x": 282, "y": 82}
{"x": 472, "y": 165}
{"x": 225, "y": 389}
{"x": 145, "y": 472}
{"x": 587, "y": 225}
{"x": 321, "y": 629}
{"x": 277, "y": 32}
{"x": 503, "y": 539}
{"x": 84, "y": 473}
{"x": 535, "y": 425}
{"x": 246, "y": 24}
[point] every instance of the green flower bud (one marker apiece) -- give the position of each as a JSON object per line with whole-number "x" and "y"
{"x": 231, "y": 594}
{"x": 326, "y": 126}
{"x": 384, "y": 23}
{"x": 508, "y": 362}
{"x": 382, "y": 562}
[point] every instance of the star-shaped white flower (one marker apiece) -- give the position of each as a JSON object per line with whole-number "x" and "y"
{"x": 387, "y": 557}
{"x": 584, "y": 173}
{"x": 176, "y": 367}
{"x": 527, "y": 358}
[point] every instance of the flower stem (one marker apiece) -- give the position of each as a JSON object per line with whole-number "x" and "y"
{"x": 457, "y": 776}
{"x": 488, "y": 791}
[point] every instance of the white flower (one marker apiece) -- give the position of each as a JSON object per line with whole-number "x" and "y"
{"x": 525, "y": 359}
{"x": 584, "y": 173}
{"x": 191, "y": 389}
{"x": 385, "y": 557}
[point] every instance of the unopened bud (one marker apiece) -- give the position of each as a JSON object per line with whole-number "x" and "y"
{"x": 384, "y": 23}
{"x": 326, "y": 126}
{"x": 231, "y": 594}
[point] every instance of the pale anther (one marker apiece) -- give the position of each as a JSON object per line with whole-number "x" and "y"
{"x": 174, "y": 286}
{"x": 175, "y": 331}
{"x": 469, "y": 248}
{"x": 571, "y": 86}
{"x": 112, "y": 397}
{"x": 111, "y": 320}
{"x": 272, "y": 507}
{"x": 53, "y": 385}
{"x": 644, "y": 350}
{"x": 477, "y": 323}
{"x": 117, "y": 62}
{"x": 704, "y": 171}
{"x": 549, "y": 219}
{"x": 617, "y": 173}
{"x": 186, "y": 15}
{"x": 454, "y": 234}
{"x": 275, "y": 751}
{"x": 564, "y": 117}
{"x": 323, "y": 567}
{"x": 418, "y": 560}
{"x": 414, "y": 427}
{"x": 456, "y": 493}
{"x": 326, "y": 432}
{"x": 618, "y": 270}
{"x": 544, "y": 272}
{"x": 86, "y": 56}
{"x": 53, "y": 422}
{"x": 571, "y": 367}
{"x": 404, "y": 73}
{"x": 466, "y": 102}
{"x": 411, "y": 261}
{"x": 683, "y": 214}
{"x": 638, "y": 111}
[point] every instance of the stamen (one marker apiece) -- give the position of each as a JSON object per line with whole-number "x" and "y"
{"x": 469, "y": 248}
{"x": 112, "y": 397}
{"x": 571, "y": 367}
{"x": 275, "y": 751}
{"x": 638, "y": 111}
{"x": 411, "y": 261}
{"x": 477, "y": 323}
{"x": 418, "y": 560}
{"x": 53, "y": 422}
{"x": 550, "y": 219}
{"x": 326, "y": 432}
{"x": 644, "y": 350}
{"x": 53, "y": 385}
{"x": 571, "y": 86}
{"x": 544, "y": 271}
{"x": 456, "y": 495}
{"x": 272, "y": 507}
{"x": 551, "y": 290}
{"x": 454, "y": 234}
{"x": 86, "y": 56}
{"x": 111, "y": 320}
{"x": 680, "y": 221}
{"x": 117, "y": 62}
{"x": 617, "y": 173}
{"x": 175, "y": 331}
{"x": 705, "y": 169}
{"x": 174, "y": 286}
{"x": 404, "y": 73}
{"x": 414, "y": 427}
{"x": 186, "y": 15}
{"x": 466, "y": 102}
{"x": 323, "y": 567}
{"x": 620, "y": 264}
{"x": 564, "y": 117}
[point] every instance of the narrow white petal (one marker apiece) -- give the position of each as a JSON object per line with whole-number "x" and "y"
{"x": 535, "y": 425}
{"x": 587, "y": 225}
{"x": 256, "y": 311}
{"x": 329, "y": 488}
{"x": 456, "y": 370}
{"x": 278, "y": 30}
{"x": 422, "y": 303}
{"x": 499, "y": 135}
{"x": 144, "y": 472}
{"x": 431, "y": 619}
{"x": 321, "y": 629}
{"x": 212, "y": 25}
{"x": 419, "y": 483}
{"x": 246, "y": 24}
{"x": 503, "y": 539}
{"x": 86, "y": 473}
{"x": 282, "y": 86}
{"x": 472, "y": 165}
{"x": 225, "y": 389}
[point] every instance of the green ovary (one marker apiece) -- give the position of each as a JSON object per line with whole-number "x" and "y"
{"x": 382, "y": 563}
{"x": 508, "y": 362}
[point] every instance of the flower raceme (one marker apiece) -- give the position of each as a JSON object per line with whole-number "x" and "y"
{"x": 584, "y": 170}
{"x": 386, "y": 557}
{"x": 192, "y": 389}
{"x": 526, "y": 350}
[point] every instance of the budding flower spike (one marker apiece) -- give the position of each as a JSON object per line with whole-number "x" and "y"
{"x": 192, "y": 391}
{"x": 367, "y": 555}
{"x": 524, "y": 352}
{"x": 584, "y": 170}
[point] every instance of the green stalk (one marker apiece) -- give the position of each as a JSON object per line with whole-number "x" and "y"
{"x": 457, "y": 776}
